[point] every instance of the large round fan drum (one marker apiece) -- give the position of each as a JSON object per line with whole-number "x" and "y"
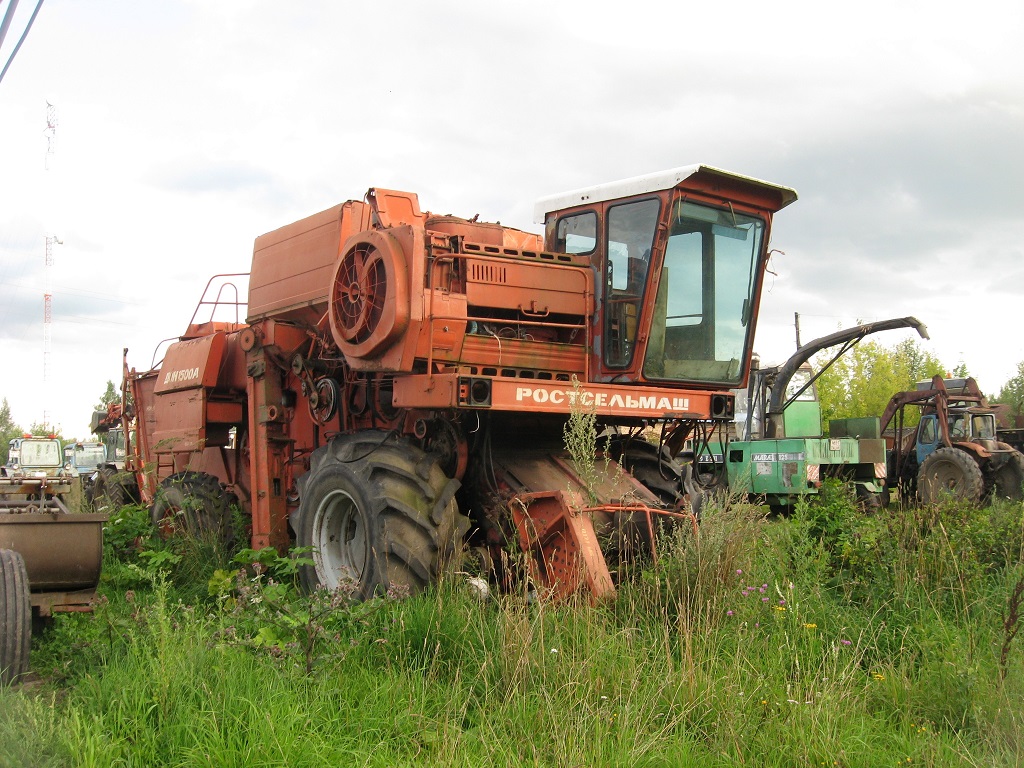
{"x": 369, "y": 300}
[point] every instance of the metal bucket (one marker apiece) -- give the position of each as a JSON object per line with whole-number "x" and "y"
{"x": 62, "y": 551}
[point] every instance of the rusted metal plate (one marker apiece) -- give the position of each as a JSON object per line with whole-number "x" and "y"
{"x": 22, "y": 485}
{"x": 49, "y": 603}
{"x": 192, "y": 363}
{"x": 292, "y": 267}
{"x": 61, "y": 551}
{"x": 564, "y": 552}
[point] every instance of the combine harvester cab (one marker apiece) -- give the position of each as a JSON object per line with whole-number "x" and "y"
{"x": 403, "y": 381}
{"x": 50, "y": 557}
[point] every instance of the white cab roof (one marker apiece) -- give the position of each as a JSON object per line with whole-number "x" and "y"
{"x": 638, "y": 185}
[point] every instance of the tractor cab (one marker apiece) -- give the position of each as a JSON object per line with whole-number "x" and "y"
{"x": 84, "y": 456}
{"x": 802, "y": 414}
{"x": 679, "y": 257}
{"x": 966, "y": 425}
{"x": 34, "y": 456}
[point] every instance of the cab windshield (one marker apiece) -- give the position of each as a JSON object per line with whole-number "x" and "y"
{"x": 89, "y": 456}
{"x": 701, "y": 326}
{"x": 40, "y": 453}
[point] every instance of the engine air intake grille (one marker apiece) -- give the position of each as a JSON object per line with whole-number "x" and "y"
{"x": 487, "y": 273}
{"x": 518, "y": 253}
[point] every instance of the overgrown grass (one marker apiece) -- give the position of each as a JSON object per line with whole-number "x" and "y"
{"x": 830, "y": 638}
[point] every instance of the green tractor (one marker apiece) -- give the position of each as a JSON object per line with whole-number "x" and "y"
{"x": 778, "y": 453}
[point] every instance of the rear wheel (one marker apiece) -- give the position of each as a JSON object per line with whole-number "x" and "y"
{"x": 15, "y": 617}
{"x": 661, "y": 475}
{"x": 950, "y": 472}
{"x": 192, "y": 503}
{"x": 658, "y": 472}
{"x": 1008, "y": 480}
{"x": 379, "y": 515}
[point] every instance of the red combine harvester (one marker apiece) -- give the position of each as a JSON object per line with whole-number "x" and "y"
{"x": 402, "y": 381}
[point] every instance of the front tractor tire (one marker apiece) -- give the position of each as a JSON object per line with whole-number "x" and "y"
{"x": 112, "y": 490}
{"x": 950, "y": 472}
{"x": 15, "y": 617}
{"x": 660, "y": 474}
{"x": 193, "y": 504}
{"x": 378, "y": 515}
{"x": 656, "y": 471}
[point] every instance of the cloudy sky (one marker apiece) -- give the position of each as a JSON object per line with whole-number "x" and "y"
{"x": 186, "y": 128}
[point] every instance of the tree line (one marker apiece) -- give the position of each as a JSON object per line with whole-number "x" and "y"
{"x": 861, "y": 382}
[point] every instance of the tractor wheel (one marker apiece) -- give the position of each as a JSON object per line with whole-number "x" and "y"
{"x": 950, "y": 471}
{"x": 659, "y": 473}
{"x": 871, "y": 501}
{"x": 192, "y": 503}
{"x": 15, "y": 617}
{"x": 1008, "y": 482}
{"x": 112, "y": 490}
{"x": 379, "y": 515}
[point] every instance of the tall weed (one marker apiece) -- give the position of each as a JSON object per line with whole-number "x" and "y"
{"x": 831, "y": 637}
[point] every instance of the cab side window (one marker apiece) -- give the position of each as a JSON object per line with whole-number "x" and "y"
{"x": 577, "y": 233}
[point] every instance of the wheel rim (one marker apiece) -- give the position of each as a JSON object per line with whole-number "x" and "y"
{"x": 341, "y": 546}
{"x": 171, "y": 522}
{"x": 946, "y": 477}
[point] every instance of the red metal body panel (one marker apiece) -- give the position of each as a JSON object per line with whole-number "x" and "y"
{"x": 291, "y": 266}
{"x": 563, "y": 547}
{"x": 376, "y": 315}
{"x": 450, "y": 390}
{"x": 534, "y": 289}
{"x": 191, "y": 364}
{"x": 277, "y": 433}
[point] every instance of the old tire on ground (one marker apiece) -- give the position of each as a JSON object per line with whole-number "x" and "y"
{"x": 950, "y": 472}
{"x": 1008, "y": 481}
{"x": 112, "y": 490}
{"x": 192, "y": 503}
{"x": 15, "y": 617}
{"x": 378, "y": 514}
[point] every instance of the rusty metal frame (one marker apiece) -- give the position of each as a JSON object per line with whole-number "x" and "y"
{"x": 560, "y": 540}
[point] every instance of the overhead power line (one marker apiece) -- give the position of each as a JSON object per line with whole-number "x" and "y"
{"x": 7, "y": 23}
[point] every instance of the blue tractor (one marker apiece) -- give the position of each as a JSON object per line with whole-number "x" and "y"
{"x": 954, "y": 449}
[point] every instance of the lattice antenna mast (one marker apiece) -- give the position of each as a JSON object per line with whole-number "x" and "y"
{"x": 51, "y": 141}
{"x": 47, "y": 322}
{"x": 50, "y": 132}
